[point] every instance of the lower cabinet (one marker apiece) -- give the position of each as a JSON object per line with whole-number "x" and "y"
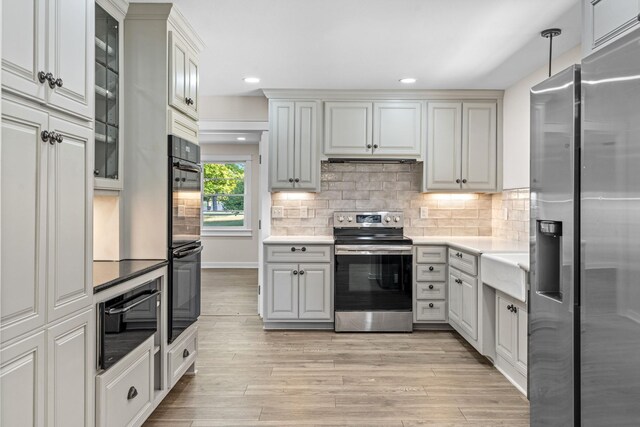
{"x": 124, "y": 393}
{"x": 182, "y": 355}
{"x": 511, "y": 338}
{"x": 463, "y": 303}
{"x": 298, "y": 292}
{"x": 430, "y": 290}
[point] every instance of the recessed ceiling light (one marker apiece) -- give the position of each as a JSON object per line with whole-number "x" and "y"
{"x": 251, "y": 80}
{"x": 408, "y": 80}
{"x": 241, "y": 138}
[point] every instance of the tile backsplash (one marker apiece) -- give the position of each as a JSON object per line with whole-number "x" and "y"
{"x": 348, "y": 186}
{"x": 511, "y": 215}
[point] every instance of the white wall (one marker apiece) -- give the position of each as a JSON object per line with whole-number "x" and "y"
{"x": 234, "y": 108}
{"x": 106, "y": 228}
{"x": 516, "y": 121}
{"x": 235, "y": 251}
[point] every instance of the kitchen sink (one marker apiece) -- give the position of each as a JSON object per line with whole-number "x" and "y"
{"x": 506, "y": 272}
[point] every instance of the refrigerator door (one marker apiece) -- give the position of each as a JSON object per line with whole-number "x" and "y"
{"x": 610, "y": 211}
{"x": 554, "y": 139}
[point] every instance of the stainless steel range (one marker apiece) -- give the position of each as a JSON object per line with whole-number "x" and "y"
{"x": 373, "y": 267}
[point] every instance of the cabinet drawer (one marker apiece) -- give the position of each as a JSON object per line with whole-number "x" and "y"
{"x": 463, "y": 261}
{"x": 433, "y": 311}
{"x": 183, "y": 126}
{"x": 125, "y": 391}
{"x": 299, "y": 253}
{"x": 182, "y": 355}
{"x": 430, "y": 290}
{"x": 431, "y": 254}
{"x": 431, "y": 272}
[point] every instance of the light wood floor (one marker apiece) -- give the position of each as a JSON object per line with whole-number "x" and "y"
{"x": 249, "y": 377}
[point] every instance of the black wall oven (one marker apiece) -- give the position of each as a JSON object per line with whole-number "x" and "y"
{"x": 185, "y": 248}
{"x": 126, "y": 321}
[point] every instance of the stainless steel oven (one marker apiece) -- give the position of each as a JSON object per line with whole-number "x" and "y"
{"x": 373, "y": 272}
{"x": 184, "y": 292}
{"x": 126, "y": 321}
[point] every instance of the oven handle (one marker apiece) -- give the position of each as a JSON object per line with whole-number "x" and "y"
{"x": 119, "y": 310}
{"x": 184, "y": 254}
{"x": 188, "y": 167}
{"x": 373, "y": 250}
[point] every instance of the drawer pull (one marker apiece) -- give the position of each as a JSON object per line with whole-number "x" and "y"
{"x": 430, "y": 286}
{"x": 303, "y": 249}
{"x": 185, "y": 353}
{"x": 132, "y": 393}
{"x": 431, "y": 268}
{"x": 430, "y": 305}
{"x": 295, "y": 272}
{"x": 293, "y": 249}
{"x": 301, "y": 272}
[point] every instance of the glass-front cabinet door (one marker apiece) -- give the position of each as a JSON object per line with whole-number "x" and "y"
{"x": 108, "y": 157}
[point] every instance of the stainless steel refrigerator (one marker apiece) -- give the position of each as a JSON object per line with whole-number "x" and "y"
{"x": 584, "y": 302}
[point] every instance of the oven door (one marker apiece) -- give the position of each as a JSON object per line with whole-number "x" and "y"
{"x": 126, "y": 321}
{"x": 186, "y": 202}
{"x": 373, "y": 278}
{"x": 184, "y": 289}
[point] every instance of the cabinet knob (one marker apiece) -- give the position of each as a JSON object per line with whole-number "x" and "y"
{"x": 430, "y": 286}
{"x": 515, "y": 309}
{"x": 431, "y": 268}
{"x": 297, "y": 180}
{"x": 59, "y": 138}
{"x": 96, "y": 172}
{"x": 295, "y": 272}
{"x": 290, "y": 179}
{"x": 368, "y": 145}
{"x": 48, "y": 77}
{"x": 457, "y": 181}
{"x": 185, "y": 353}
{"x": 510, "y": 307}
{"x": 430, "y": 305}
{"x": 301, "y": 272}
{"x": 464, "y": 180}
{"x": 375, "y": 146}
{"x": 293, "y": 249}
{"x": 132, "y": 393}
{"x": 45, "y": 135}
{"x": 58, "y": 82}
{"x": 304, "y": 249}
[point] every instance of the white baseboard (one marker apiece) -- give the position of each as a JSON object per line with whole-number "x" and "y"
{"x": 229, "y": 265}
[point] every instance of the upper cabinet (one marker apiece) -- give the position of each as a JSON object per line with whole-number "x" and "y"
{"x": 183, "y": 76}
{"x": 462, "y": 146}
{"x": 607, "y": 20}
{"x": 109, "y": 111}
{"x": 294, "y": 163}
{"x": 46, "y": 53}
{"x": 385, "y": 129}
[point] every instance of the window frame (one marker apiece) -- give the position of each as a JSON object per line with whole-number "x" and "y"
{"x": 230, "y": 231}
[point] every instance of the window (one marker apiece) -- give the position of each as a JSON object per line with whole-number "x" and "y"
{"x": 226, "y": 196}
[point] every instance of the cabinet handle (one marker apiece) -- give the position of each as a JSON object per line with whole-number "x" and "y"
{"x": 464, "y": 180}
{"x": 430, "y": 286}
{"x": 185, "y": 353}
{"x": 96, "y": 172}
{"x": 431, "y": 268}
{"x": 430, "y": 305}
{"x": 301, "y": 272}
{"x": 375, "y": 146}
{"x": 189, "y": 101}
{"x": 510, "y": 307}
{"x": 59, "y": 138}
{"x": 304, "y": 249}
{"x": 459, "y": 281}
{"x": 293, "y": 249}
{"x": 48, "y": 77}
{"x": 58, "y": 82}
{"x": 295, "y": 273}
{"x": 297, "y": 180}
{"x": 290, "y": 179}
{"x": 132, "y": 393}
{"x": 515, "y": 309}
{"x": 45, "y": 135}
{"x": 458, "y": 181}
{"x": 368, "y": 145}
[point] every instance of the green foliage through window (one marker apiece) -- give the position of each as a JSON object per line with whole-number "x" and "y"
{"x": 223, "y": 194}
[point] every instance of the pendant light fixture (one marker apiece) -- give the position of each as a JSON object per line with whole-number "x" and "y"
{"x": 550, "y": 33}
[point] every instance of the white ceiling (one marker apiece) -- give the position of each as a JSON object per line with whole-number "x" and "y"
{"x": 370, "y": 44}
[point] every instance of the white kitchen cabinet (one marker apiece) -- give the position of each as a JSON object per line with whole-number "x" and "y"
{"x": 461, "y": 146}
{"x": 397, "y": 128}
{"x": 182, "y": 355}
{"x": 294, "y": 163}
{"x": 511, "y": 338}
{"x": 607, "y": 20}
{"x": 22, "y": 382}
{"x": 183, "y": 76}
{"x": 347, "y": 128}
{"x": 463, "y": 304}
{"x": 70, "y": 350}
{"x": 55, "y": 38}
{"x": 23, "y": 277}
{"x": 282, "y": 291}
{"x": 314, "y": 291}
{"x": 455, "y": 297}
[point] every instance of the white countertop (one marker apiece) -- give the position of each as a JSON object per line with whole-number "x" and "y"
{"x": 300, "y": 240}
{"x": 478, "y": 245}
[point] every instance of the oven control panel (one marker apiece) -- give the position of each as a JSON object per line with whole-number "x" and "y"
{"x": 368, "y": 219}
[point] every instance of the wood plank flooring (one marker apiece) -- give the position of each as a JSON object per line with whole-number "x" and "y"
{"x": 251, "y": 377}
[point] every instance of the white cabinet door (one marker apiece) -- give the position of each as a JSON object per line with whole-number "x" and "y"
{"x": 23, "y": 200}
{"x": 521, "y": 331}
{"x": 397, "y": 128}
{"x": 444, "y": 142}
{"x": 193, "y": 76}
{"x": 22, "y": 383}
{"x": 70, "y": 371}
{"x": 23, "y": 47}
{"x": 178, "y": 73}
{"x": 455, "y": 297}
{"x": 281, "y": 135}
{"x": 306, "y": 164}
{"x": 479, "y": 146}
{"x": 282, "y": 291}
{"x": 70, "y": 53}
{"x": 69, "y": 286}
{"x": 347, "y": 128}
{"x": 611, "y": 18}
{"x": 505, "y": 333}
{"x": 315, "y": 291}
{"x": 469, "y": 296}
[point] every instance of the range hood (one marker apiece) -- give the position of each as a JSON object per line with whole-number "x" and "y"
{"x": 369, "y": 160}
